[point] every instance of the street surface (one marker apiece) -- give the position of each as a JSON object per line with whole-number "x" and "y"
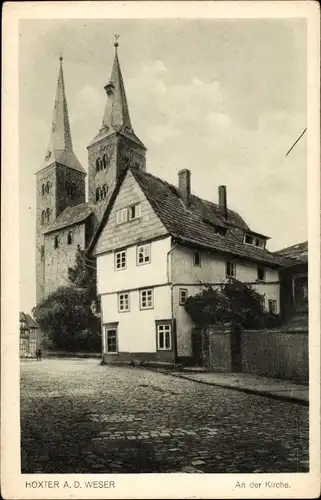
{"x": 80, "y": 417}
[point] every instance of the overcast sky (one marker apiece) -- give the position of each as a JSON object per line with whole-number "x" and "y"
{"x": 224, "y": 98}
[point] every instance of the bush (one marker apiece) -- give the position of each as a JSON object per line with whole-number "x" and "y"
{"x": 232, "y": 302}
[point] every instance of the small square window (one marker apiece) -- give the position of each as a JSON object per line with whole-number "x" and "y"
{"x": 249, "y": 239}
{"x": 134, "y": 212}
{"x": 260, "y": 273}
{"x": 272, "y": 307}
{"x": 164, "y": 341}
{"x": 146, "y": 298}
{"x": 183, "y": 294}
{"x": 122, "y": 215}
{"x": 197, "y": 259}
{"x": 230, "y": 270}
{"x": 120, "y": 260}
{"x": 123, "y": 302}
{"x": 143, "y": 254}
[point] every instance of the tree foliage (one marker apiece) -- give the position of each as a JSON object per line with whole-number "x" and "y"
{"x": 65, "y": 316}
{"x": 232, "y": 302}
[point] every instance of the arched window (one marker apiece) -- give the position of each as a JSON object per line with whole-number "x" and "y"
{"x": 43, "y": 217}
{"x": 105, "y": 161}
{"x": 47, "y": 216}
{"x": 98, "y": 194}
{"x": 69, "y": 238}
{"x": 56, "y": 242}
{"x": 43, "y": 190}
{"x": 104, "y": 191}
{"x": 47, "y": 187}
{"x": 98, "y": 165}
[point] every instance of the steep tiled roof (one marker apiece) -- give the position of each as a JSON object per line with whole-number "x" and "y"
{"x": 30, "y": 322}
{"x": 70, "y": 216}
{"x": 193, "y": 225}
{"x": 295, "y": 254}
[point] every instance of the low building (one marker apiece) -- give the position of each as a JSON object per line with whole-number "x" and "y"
{"x": 156, "y": 245}
{"x": 294, "y": 283}
{"x": 29, "y": 336}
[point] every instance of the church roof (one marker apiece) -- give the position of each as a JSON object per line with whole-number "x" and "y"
{"x": 70, "y": 216}
{"x": 193, "y": 225}
{"x": 60, "y": 149}
{"x": 116, "y": 117}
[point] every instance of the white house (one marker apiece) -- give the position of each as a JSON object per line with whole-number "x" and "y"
{"x": 156, "y": 245}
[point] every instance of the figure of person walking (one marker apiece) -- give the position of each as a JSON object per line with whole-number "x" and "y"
{"x": 38, "y": 354}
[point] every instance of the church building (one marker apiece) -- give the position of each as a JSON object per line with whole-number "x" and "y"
{"x": 65, "y": 217}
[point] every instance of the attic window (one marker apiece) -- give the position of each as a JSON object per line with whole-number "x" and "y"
{"x": 220, "y": 230}
{"x": 134, "y": 212}
{"x": 249, "y": 240}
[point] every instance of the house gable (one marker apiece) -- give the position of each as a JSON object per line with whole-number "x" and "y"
{"x": 146, "y": 227}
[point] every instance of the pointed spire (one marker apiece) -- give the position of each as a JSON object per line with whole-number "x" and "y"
{"x": 116, "y": 116}
{"x": 116, "y": 113}
{"x": 60, "y": 148}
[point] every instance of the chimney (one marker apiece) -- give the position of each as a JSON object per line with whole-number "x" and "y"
{"x": 184, "y": 185}
{"x": 222, "y": 200}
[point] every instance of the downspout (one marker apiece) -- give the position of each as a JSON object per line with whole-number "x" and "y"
{"x": 170, "y": 282}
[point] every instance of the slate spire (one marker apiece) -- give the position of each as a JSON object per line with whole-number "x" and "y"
{"x": 116, "y": 116}
{"x": 60, "y": 148}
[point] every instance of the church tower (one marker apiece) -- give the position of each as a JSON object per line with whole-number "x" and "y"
{"x": 115, "y": 146}
{"x": 60, "y": 181}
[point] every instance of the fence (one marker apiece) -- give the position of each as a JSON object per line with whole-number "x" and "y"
{"x": 274, "y": 353}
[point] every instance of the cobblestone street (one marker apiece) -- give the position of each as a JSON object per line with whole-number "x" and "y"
{"x": 80, "y": 417}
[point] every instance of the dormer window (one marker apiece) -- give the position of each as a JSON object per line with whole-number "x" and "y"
{"x": 253, "y": 240}
{"x": 249, "y": 240}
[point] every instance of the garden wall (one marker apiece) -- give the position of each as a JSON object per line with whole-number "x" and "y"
{"x": 274, "y": 353}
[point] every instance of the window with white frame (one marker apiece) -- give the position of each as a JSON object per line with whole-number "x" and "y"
{"x": 197, "y": 259}
{"x": 230, "y": 269}
{"x": 120, "y": 260}
{"x": 183, "y": 294}
{"x": 123, "y": 302}
{"x": 122, "y": 215}
{"x": 146, "y": 298}
{"x": 134, "y": 211}
{"x": 111, "y": 340}
{"x": 272, "y": 307}
{"x": 164, "y": 337}
{"x": 143, "y": 254}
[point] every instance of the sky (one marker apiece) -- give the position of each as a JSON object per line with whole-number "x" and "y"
{"x": 223, "y": 98}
